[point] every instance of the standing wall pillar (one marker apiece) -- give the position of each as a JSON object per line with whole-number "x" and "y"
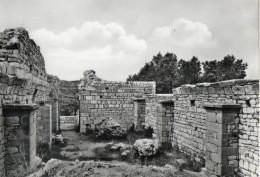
{"x": 20, "y": 139}
{"x": 139, "y": 113}
{"x": 164, "y": 121}
{"x": 55, "y": 115}
{"x": 221, "y": 139}
{"x": 44, "y": 124}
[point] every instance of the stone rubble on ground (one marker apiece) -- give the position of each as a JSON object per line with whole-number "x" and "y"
{"x": 146, "y": 147}
{"x": 58, "y": 138}
{"x": 110, "y": 128}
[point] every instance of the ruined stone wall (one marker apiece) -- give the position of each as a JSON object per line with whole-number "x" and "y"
{"x": 69, "y": 98}
{"x": 151, "y": 102}
{"x": 102, "y": 99}
{"x": 20, "y": 139}
{"x": 189, "y": 128}
{"x": 23, "y": 78}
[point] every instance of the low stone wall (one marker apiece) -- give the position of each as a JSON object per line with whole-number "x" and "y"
{"x": 69, "y": 122}
{"x": 103, "y": 99}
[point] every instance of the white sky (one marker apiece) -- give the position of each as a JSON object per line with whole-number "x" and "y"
{"x": 116, "y": 37}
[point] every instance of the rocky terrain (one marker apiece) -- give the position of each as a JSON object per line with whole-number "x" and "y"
{"x": 55, "y": 168}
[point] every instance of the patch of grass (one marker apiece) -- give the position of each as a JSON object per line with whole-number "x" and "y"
{"x": 166, "y": 146}
{"x": 42, "y": 149}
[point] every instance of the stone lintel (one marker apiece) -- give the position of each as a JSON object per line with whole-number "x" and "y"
{"x": 20, "y": 106}
{"x": 167, "y": 102}
{"x": 139, "y": 99}
{"x": 221, "y": 106}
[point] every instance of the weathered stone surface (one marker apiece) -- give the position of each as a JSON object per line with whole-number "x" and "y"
{"x": 23, "y": 80}
{"x": 12, "y": 120}
{"x": 11, "y": 150}
{"x": 110, "y": 128}
{"x": 146, "y": 147}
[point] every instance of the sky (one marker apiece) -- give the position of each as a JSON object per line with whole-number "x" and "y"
{"x": 117, "y": 37}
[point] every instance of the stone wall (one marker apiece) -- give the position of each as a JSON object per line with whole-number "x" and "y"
{"x": 164, "y": 121}
{"x": 189, "y": 128}
{"x": 44, "y": 124}
{"x": 69, "y": 98}
{"x": 100, "y": 99}
{"x": 222, "y": 139}
{"x": 20, "y": 139}
{"x": 151, "y": 102}
{"x": 23, "y": 78}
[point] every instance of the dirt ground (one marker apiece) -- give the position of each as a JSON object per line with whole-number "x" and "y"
{"x": 81, "y": 155}
{"x": 56, "y": 168}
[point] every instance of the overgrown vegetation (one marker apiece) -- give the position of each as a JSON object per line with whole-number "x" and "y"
{"x": 169, "y": 72}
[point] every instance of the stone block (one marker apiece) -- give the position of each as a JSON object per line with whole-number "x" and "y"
{"x": 211, "y": 117}
{"x": 3, "y": 78}
{"x": 249, "y": 89}
{"x": 210, "y": 165}
{"x": 185, "y": 90}
{"x": 228, "y": 90}
{"x": 178, "y": 90}
{"x": 248, "y": 110}
{"x": 11, "y": 150}
{"x": 12, "y": 120}
{"x": 216, "y": 157}
{"x": 215, "y": 127}
{"x": 211, "y": 147}
{"x": 3, "y": 88}
{"x": 204, "y": 90}
{"x": 211, "y": 90}
{"x": 238, "y": 90}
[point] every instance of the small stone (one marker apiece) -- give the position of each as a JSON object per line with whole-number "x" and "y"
{"x": 124, "y": 153}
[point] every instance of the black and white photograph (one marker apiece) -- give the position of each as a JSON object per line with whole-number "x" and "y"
{"x": 129, "y": 88}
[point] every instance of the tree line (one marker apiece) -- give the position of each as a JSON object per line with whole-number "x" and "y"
{"x": 169, "y": 72}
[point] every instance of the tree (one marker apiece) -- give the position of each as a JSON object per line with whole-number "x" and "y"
{"x": 162, "y": 69}
{"x": 169, "y": 73}
{"x": 226, "y": 69}
{"x": 189, "y": 71}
